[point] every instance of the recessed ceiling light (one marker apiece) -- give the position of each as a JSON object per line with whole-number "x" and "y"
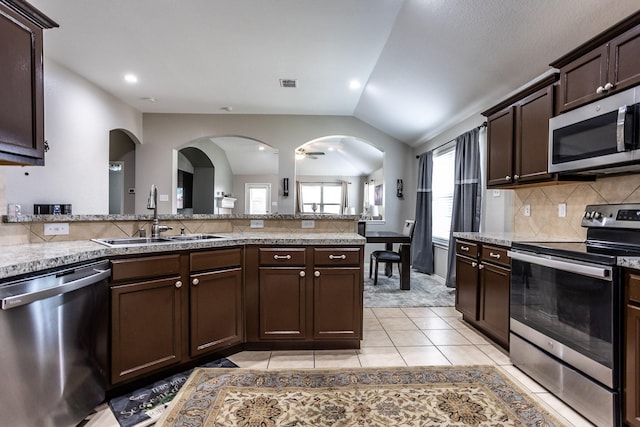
{"x": 355, "y": 84}
{"x": 227, "y": 109}
{"x": 131, "y": 78}
{"x": 261, "y": 148}
{"x": 148, "y": 99}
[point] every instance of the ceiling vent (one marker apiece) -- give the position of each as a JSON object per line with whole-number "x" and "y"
{"x": 289, "y": 83}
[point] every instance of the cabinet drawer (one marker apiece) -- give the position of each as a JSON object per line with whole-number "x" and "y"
{"x": 633, "y": 287}
{"x": 467, "y": 248}
{"x": 282, "y": 256}
{"x": 217, "y": 259}
{"x": 495, "y": 254}
{"x": 336, "y": 256}
{"x": 148, "y": 267}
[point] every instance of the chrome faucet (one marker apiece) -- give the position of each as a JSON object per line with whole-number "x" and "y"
{"x": 152, "y": 203}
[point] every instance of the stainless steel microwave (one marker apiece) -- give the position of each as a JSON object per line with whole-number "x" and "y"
{"x": 601, "y": 137}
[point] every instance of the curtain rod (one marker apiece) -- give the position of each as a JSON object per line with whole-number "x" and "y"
{"x": 483, "y": 125}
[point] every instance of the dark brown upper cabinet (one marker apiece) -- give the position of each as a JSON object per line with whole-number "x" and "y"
{"x": 606, "y": 64}
{"x": 518, "y": 137}
{"x": 21, "y": 83}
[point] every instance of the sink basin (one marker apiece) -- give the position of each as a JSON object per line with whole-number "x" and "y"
{"x": 132, "y": 241}
{"x": 189, "y": 237}
{"x": 144, "y": 241}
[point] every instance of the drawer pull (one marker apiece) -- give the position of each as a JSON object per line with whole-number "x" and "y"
{"x": 195, "y": 282}
{"x": 343, "y": 256}
{"x": 492, "y": 255}
{"x": 474, "y": 264}
{"x": 178, "y": 284}
{"x": 302, "y": 274}
{"x": 316, "y": 273}
{"x": 282, "y": 257}
{"x": 480, "y": 267}
{"x": 464, "y": 248}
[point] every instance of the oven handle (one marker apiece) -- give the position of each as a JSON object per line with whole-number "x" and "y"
{"x": 572, "y": 267}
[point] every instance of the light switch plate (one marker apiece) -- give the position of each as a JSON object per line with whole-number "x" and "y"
{"x": 164, "y": 197}
{"x": 56, "y": 228}
{"x": 308, "y": 223}
{"x": 562, "y": 210}
{"x": 527, "y": 210}
{"x": 257, "y": 223}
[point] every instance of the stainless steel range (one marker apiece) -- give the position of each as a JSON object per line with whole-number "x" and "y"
{"x": 566, "y": 311}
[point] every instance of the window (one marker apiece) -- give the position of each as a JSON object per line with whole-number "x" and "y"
{"x": 257, "y": 198}
{"x": 321, "y": 197}
{"x": 442, "y": 192}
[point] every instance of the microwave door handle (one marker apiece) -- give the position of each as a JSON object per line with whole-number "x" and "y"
{"x": 623, "y": 117}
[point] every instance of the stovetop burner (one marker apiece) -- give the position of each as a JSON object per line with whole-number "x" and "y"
{"x": 612, "y": 231}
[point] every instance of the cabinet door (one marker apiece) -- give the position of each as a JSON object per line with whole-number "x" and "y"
{"x": 500, "y": 148}
{"x": 624, "y": 60}
{"x": 532, "y": 136}
{"x": 282, "y": 303}
{"x": 21, "y": 90}
{"x": 467, "y": 287}
{"x": 145, "y": 327}
{"x": 337, "y": 303}
{"x": 632, "y": 367}
{"x": 215, "y": 310}
{"x": 581, "y": 78}
{"x": 494, "y": 302}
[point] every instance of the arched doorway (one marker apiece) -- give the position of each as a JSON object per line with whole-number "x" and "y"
{"x": 122, "y": 173}
{"x": 196, "y": 179}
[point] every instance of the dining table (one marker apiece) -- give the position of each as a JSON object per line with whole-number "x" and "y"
{"x": 389, "y": 238}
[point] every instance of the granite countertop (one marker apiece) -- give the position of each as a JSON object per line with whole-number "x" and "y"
{"x": 170, "y": 217}
{"x": 28, "y": 258}
{"x": 506, "y": 239}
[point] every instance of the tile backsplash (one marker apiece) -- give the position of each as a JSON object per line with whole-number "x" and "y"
{"x": 543, "y": 201}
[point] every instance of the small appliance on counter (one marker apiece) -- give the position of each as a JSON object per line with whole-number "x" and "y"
{"x": 55, "y": 209}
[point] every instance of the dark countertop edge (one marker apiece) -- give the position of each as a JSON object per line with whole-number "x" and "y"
{"x": 167, "y": 217}
{"x": 45, "y": 256}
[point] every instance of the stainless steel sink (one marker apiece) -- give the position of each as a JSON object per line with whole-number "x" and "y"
{"x": 144, "y": 241}
{"x": 189, "y": 237}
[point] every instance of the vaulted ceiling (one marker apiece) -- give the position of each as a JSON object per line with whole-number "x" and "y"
{"x": 424, "y": 65}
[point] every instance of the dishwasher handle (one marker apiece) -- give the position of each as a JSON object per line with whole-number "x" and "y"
{"x": 18, "y": 300}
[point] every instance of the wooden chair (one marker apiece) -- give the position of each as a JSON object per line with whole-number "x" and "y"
{"x": 391, "y": 257}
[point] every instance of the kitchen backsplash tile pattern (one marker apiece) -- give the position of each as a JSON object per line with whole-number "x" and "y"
{"x": 544, "y": 220}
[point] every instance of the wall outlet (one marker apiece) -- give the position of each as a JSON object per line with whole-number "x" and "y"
{"x": 527, "y": 210}
{"x": 257, "y": 223}
{"x": 164, "y": 197}
{"x": 56, "y": 228}
{"x": 308, "y": 223}
{"x": 562, "y": 210}
{"x": 496, "y": 193}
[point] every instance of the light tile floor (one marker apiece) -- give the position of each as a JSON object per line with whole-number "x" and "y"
{"x": 402, "y": 337}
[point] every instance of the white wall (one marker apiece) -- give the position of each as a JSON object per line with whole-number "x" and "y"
{"x": 165, "y": 132}
{"x": 78, "y": 118}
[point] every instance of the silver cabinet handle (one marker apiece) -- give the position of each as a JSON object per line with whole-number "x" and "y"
{"x": 338, "y": 256}
{"x": 178, "y": 284}
{"x": 464, "y": 248}
{"x": 608, "y": 86}
{"x": 508, "y": 178}
{"x": 516, "y": 177}
{"x": 480, "y": 267}
{"x": 316, "y": 273}
{"x": 302, "y": 274}
{"x": 474, "y": 264}
{"x": 282, "y": 257}
{"x": 492, "y": 255}
{"x": 600, "y": 89}
{"x": 195, "y": 281}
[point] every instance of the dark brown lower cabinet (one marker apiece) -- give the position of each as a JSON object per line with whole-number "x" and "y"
{"x": 337, "y": 302}
{"x": 283, "y": 303}
{"x": 632, "y": 352}
{"x": 483, "y": 274}
{"x": 146, "y": 325}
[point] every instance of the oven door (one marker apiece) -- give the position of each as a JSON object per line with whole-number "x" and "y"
{"x": 568, "y": 309}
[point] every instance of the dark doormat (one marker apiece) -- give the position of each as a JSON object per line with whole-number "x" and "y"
{"x": 145, "y": 405}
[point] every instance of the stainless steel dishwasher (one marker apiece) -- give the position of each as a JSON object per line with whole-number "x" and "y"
{"x": 53, "y": 345}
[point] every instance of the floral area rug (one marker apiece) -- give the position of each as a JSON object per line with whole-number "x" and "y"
{"x": 422, "y": 396}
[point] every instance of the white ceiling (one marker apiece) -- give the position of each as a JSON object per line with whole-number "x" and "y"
{"x": 425, "y": 64}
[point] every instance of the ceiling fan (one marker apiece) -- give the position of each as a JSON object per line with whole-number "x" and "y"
{"x": 310, "y": 154}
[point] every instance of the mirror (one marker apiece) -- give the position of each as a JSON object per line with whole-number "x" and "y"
{"x": 213, "y": 173}
{"x": 340, "y": 174}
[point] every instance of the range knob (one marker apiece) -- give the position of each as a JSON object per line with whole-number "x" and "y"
{"x": 597, "y": 215}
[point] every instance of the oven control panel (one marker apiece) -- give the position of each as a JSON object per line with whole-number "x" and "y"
{"x": 612, "y": 216}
